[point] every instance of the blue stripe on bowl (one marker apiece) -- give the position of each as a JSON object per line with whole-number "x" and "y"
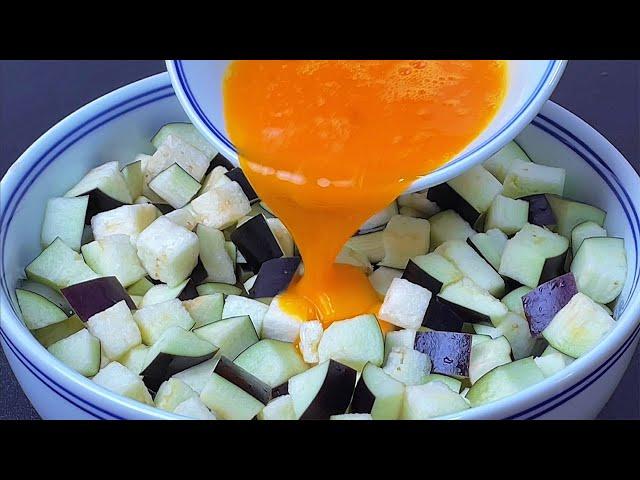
{"x": 186, "y": 88}
{"x": 40, "y": 165}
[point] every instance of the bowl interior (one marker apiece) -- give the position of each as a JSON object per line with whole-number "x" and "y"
{"x": 63, "y": 156}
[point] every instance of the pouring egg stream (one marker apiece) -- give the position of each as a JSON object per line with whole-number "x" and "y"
{"x": 326, "y": 144}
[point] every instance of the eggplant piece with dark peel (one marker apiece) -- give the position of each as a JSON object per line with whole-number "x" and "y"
{"x": 543, "y": 303}
{"x": 540, "y": 212}
{"x": 417, "y": 275}
{"x": 99, "y": 202}
{"x": 94, "y": 296}
{"x": 274, "y": 276}
{"x": 237, "y": 175}
{"x": 243, "y": 380}
{"x": 449, "y": 352}
{"x": 441, "y": 315}
{"x": 448, "y": 199}
{"x": 256, "y": 242}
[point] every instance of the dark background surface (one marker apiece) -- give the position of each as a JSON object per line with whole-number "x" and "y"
{"x": 36, "y": 95}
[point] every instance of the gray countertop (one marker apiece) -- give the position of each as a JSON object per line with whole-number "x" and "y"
{"x": 36, "y": 95}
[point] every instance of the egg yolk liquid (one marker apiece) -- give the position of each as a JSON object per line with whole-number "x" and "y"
{"x": 326, "y": 144}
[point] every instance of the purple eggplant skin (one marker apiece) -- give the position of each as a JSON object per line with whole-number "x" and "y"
{"x": 553, "y": 267}
{"x": 153, "y": 280}
{"x": 237, "y": 175}
{"x": 166, "y": 365}
{"x": 243, "y": 380}
{"x": 282, "y": 389}
{"x": 199, "y": 274}
{"x": 164, "y": 207}
{"x": 334, "y": 395}
{"x": 189, "y": 291}
{"x": 256, "y": 242}
{"x": 466, "y": 314}
{"x": 94, "y": 296}
{"x": 449, "y": 352}
{"x": 418, "y": 276}
{"x": 363, "y": 399}
{"x": 220, "y": 161}
{"x": 510, "y": 284}
{"x": 99, "y": 202}
{"x": 540, "y": 212}
{"x": 274, "y": 276}
{"x": 543, "y": 303}
{"x": 440, "y": 315}
{"x": 448, "y": 199}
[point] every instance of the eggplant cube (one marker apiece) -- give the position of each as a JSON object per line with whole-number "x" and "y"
{"x": 221, "y": 206}
{"x": 80, "y": 351}
{"x": 154, "y": 320}
{"x": 378, "y": 394}
{"x": 279, "y": 324}
{"x": 310, "y": 336}
{"x": 543, "y": 303}
{"x": 106, "y": 178}
{"x": 116, "y": 330}
{"x": 430, "y": 400}
{"x": 64, "y": 218}
{"x": 382, "y": 277}
{"x": 172, "y": 393}
{"x": 114, "y": 255}
{"x": 404, "y": 238}
{"x": 280, "y": 408}
{"x": 405, "y": 304}
{"x": 117, "y": 378}
{"x": 449, "y": 351}
{"x": 175, "y": 150}
{"x": 94, "y": 296}
{"x": 235, "y": 305}
{"x": 193, "y": 408}
{"x": 128, "y": 220}
{"x": 407, "y": 365}
{"x": 167, "y": 251}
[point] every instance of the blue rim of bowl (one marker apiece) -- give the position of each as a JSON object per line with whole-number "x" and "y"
{"x": 552, "y": 66}
{"x": 546, "y": 124}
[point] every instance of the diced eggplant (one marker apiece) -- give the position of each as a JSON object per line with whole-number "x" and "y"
{"x": 448, "y": 225}
{"x": 472, "y": 303}
{"x": 57, "y": 331}
{"x": 272, "y": 361}
{"x": 419, "y": 202}
{"x": 530, "y": 179}
{"x": 128, "y": 220}
{"x": 94, "y": 296}
{"x": 442, "y": 315}
{"x": 283, "y": 236}
{"x": 505, "y": 159}
{"x": 212, "y": 287}
{"x": 486, "y": 356}
{"x": 237, "y": 175}
{"x": 513, "y": 300}
{"x": 64, "y": 219}
{"x": 353, "y": 342}
{"x": 167, "y": 251}
{"x": 162, "y": 293}
{"x": 551, "y": 351}
{"x": 600, "y": 268}
{"x": 540, "y": 212}
{"x": 322, "y": 391}
{"x": 274, "y": 276}
{"x": 205, "y": 309}
{"x": 449, "y": 351}
{"x": 154, "y": 320}
{"x": 214, "y": 255}
{"x": 141, "y": 287}
{"x": 407, "y": 365}
{"x": 404, "y": 238}
{"x": 583, "y": 231}
{"x": 221, "y": 206}
{"x": 382, "y": 277}
{"x": 454, "y": 384}
{"x": 378, "y": 394}
{"x": 543, "y": 303}
{"x": 194, "y": 409}
{"x": 405, "y": 304}
{"x": 447, "y": 198}
{"x": 550, "y": 364}
{"x": 243, "y": 379}
{"x": 59, "y": 266}
{"x": 187, "y": 133}
{"x": 439, "y": 268}
{"x": 473, "y": 266}
{"x": 432, "y": 399}
{"x": 213, "y": 178}
{"x": 416, "y": 275}
{"x": 280, "y": 324}
{"x": 114, "y": 255}
{"x": 134, "y": 178}
{"x": 280, "y": 408}
{"x": 578, "y": 327}
{"x": 235, "y": 306}
{"x": 175, "y": 186}
{"x": 37, "y": 311}
{"x": 197, "y": 377}
{"x": 310, "y": 335}
{"x": 489, "y": 246}
{"x": 106, "y": 179}
{"x": 231, "y": 335}
{"x": 477, "y": 186}
{"x": 118, "y": 379}
{"x": 369, "y": 244}
{"x": 174, "y": 149}
{"x": 116, "y": 330}
{"x": 516, "y": 329}
{"x": 399, "y": 339}
{"x": 256, "y": 242}
{"x": 349, "y": 256}
{"x": 507, "y": 214}
{"x": 379, "y": 219}
{"x": 176, "y": 350}
{"x": 569, "y": 214}
{"x": 504, "y": 381}
{"x": 80, "y": 351}
{"x": 135, "y": 358}
{"x": 172, "y": 393}
{"x": 232, "y": 398}
{"x": 483, "y": 330}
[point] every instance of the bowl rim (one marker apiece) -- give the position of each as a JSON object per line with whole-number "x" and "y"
{"x": 511, "y": 128}
{"x": 37, "y": 359}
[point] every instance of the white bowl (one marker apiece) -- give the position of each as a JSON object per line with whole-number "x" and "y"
{"x": 198, "y": 85}
{"x": 120, "y": 124}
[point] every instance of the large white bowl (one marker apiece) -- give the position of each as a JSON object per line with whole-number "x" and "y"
{"x": 120, "y": 124}
{"x": 198, "y": 85}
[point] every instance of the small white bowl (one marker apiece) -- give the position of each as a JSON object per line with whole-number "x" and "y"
{"x": 120, "y": 124}
{"x": 198, "y": 85}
